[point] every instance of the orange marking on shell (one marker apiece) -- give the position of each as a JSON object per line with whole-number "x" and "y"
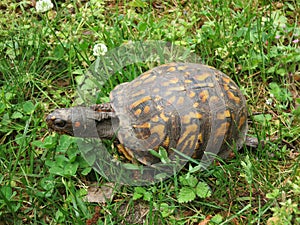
{"x": 196, "y": 105}
{"x": 172, "y": 100}
{"x": 137, "y": 112}
{"x": 174, "y": 80}
{"x": 200, "y": 138}
{"x": 155, "y": 119}
{"x": 159, "y": 107}
{"x": 166, "y": 142}
{"x": 226, "y": 87}
{"x": 203, "y": 84}
{"x": 146, "y": 109}
{"x": 242, "y": 121}
{"x": 222, "y": 130}
{"x": 158, "y": 129}
{"x": 198, "y": 115}
{"x": 186, "y": 119}
{"x": 187, "y": 81}
{"x": 198, "y": 145}
{"x": 138, "y": 102}
{"x": 171, "y": 69}
{"x": 226, "y": 79}
{"x": 145, "y": 75}
{"x": 192, "y": 94}
{"x": 180, "y": 100}
{"x": 150, "y": 79}
{"x": 192, "y": 128}
{"x": 182, "y": 67}
{"x": 223, "y": 115}
{"x": 142, "y": 126}
{"x": 157, "y": 98}
{"x": 190, "y": 142}
{"x": 140, "y": 92}
{"x": 164, "y": 118}
{"x": 204, "y": 95}
{"x": 202, "y": 77}
{"x": 136, "y": 83}
{"x": 189, "y": 131}
{"x": 233, "y": 97}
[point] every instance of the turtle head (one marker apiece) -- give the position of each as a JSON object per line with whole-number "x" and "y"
{"x": 60, "y": 121}
{"x": 83, "y": 122}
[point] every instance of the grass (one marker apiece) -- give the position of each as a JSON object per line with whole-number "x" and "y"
{"x": 43, "y": 177}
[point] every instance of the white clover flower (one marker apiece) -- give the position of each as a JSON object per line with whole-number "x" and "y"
{"x": 269, "y": 101}
{"x": 99, "y": 49}
{"x": 43, "y": 5}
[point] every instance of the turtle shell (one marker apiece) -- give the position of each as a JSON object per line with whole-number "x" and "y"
{"x": 189, "y": 107}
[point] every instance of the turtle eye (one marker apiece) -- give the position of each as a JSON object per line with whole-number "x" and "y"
{"x": 60, "y": 122}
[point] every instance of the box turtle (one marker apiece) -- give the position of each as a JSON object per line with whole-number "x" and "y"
{"x": 192, "y": 108}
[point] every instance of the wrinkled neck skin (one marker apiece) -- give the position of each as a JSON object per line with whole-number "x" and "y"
{"x": 83, "y": 122}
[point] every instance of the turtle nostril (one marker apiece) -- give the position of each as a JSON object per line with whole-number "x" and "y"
{"x": 59, "y": 122}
